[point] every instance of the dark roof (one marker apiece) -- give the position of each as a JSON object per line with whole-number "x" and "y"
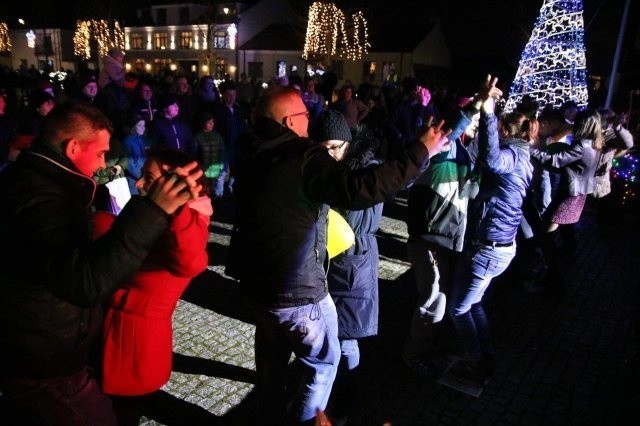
{"x": 397, "y": 37}
{"x": 277, "y": 37}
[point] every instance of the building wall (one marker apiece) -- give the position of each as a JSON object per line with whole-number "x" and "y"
{"x": 269, "y": 60}
{"x": 60, "y": 55}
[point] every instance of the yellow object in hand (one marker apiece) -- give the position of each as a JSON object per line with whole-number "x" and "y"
{"x": 340, "y": 236}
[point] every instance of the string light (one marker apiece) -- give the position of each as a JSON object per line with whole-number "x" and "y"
{"x": 330, "y": 33}
{"x": 5, "y": 41}
{"x": 106, "y": 35}
{"x": 553, "y": 66}
{"x": 625, "y": 170}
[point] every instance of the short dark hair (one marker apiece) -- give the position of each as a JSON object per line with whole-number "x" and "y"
{"x": 73, "y": 120}
{"x": 176, "y": 158}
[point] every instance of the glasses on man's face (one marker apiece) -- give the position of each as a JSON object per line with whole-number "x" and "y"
{"x": 305, "y": 113}
{"x": 337, "y": 147}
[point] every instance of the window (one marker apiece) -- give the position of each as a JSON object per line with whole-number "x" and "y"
{"x": 139, "y": 65}
{"x": 369, "y": 71}
{"x": 220, "y": 67}
{"x": 186, "y": 40}
{"x": 220, "y": 40}
{"x": 281, "y": 69}
{"x": 184, "y": 15}
{"x": 160, "y": 40}
{"x": 161, "y": 16}
{"x": 44, "y": 46}
{"x": 136, "y": 41}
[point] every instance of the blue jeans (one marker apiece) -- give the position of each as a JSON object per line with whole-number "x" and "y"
{"x": 480, "y": 264}
{"x": 311, "y": 332}
{"x": 221, "y": 180}
{"x": 350, "y": 353}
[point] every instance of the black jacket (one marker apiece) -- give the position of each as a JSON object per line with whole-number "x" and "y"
{"x": 283, "y": 182}
{"x": 53, "y": 277}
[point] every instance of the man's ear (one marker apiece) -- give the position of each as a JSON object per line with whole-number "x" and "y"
{"x": 72, "y": 148}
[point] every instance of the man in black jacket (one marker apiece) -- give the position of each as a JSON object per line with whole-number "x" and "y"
{"x": 284, "y": 184}
{"x": 54, "y": 278}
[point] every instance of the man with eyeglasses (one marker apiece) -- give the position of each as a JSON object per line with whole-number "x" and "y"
{"x": 278, "y": 248}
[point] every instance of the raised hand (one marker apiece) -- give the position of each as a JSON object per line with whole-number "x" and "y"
{"x": 190, "y": 173}
{"x": 175, "y": 187}
{"x": 435, "y": 139}
{"x": 424, "y": 95}
{"x": 489, "y": 93}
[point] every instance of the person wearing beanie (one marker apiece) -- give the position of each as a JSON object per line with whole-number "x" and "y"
{"x": 332, "y": 127}
{"x": 210, "y": 152}
{"x": 278, "y": 249}
{"x": 90, "y": 94}
{"x": 352, "y": 275}
{"x": 168, "y": 131}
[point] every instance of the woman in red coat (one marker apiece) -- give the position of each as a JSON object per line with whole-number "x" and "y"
{"x": 137, "y": 352}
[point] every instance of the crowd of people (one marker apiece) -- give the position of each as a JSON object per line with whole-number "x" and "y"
{"x": 87, "y": 295}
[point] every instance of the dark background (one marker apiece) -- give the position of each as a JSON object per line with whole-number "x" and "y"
{"x": 483, "y": 35}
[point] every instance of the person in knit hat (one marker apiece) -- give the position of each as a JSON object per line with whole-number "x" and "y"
{"x": 353, "y": 274}
{"x": 210, "y": 152}
{"x": 332, "y": 131}
{"x": 168, "y": 131}
{"x": 90, "y": 94}
{"x": 278, "y": 246}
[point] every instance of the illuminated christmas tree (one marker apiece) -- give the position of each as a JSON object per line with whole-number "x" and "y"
{"x": 5, "y": 41}
{"x": 107, "y": 35}
{"x": 330, "y": 32}
{"x": 553, "y": 66}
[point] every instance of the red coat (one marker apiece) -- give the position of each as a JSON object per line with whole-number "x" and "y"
{"x": 138, "y": 350}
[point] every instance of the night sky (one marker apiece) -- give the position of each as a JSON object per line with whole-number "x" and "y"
{"x": 483, "y": 35}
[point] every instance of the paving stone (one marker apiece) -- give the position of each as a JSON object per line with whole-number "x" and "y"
{"x": 562, "y": 358}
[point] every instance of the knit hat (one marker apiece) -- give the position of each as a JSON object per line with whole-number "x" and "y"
{"x": 114, "y": 51}
{"x": 166, "y": 100}
{"x": 86, "y": 80}
{"x": 204, "y": 117}
{"x": 38, "y": 97}
{"x": 331, "y": 125}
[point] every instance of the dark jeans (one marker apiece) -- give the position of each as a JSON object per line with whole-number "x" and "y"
{"x": 74, "y": 399}
{"x": 480, "y": 264}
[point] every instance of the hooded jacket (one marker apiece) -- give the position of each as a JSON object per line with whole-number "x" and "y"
{"x": 53, "y": 278}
